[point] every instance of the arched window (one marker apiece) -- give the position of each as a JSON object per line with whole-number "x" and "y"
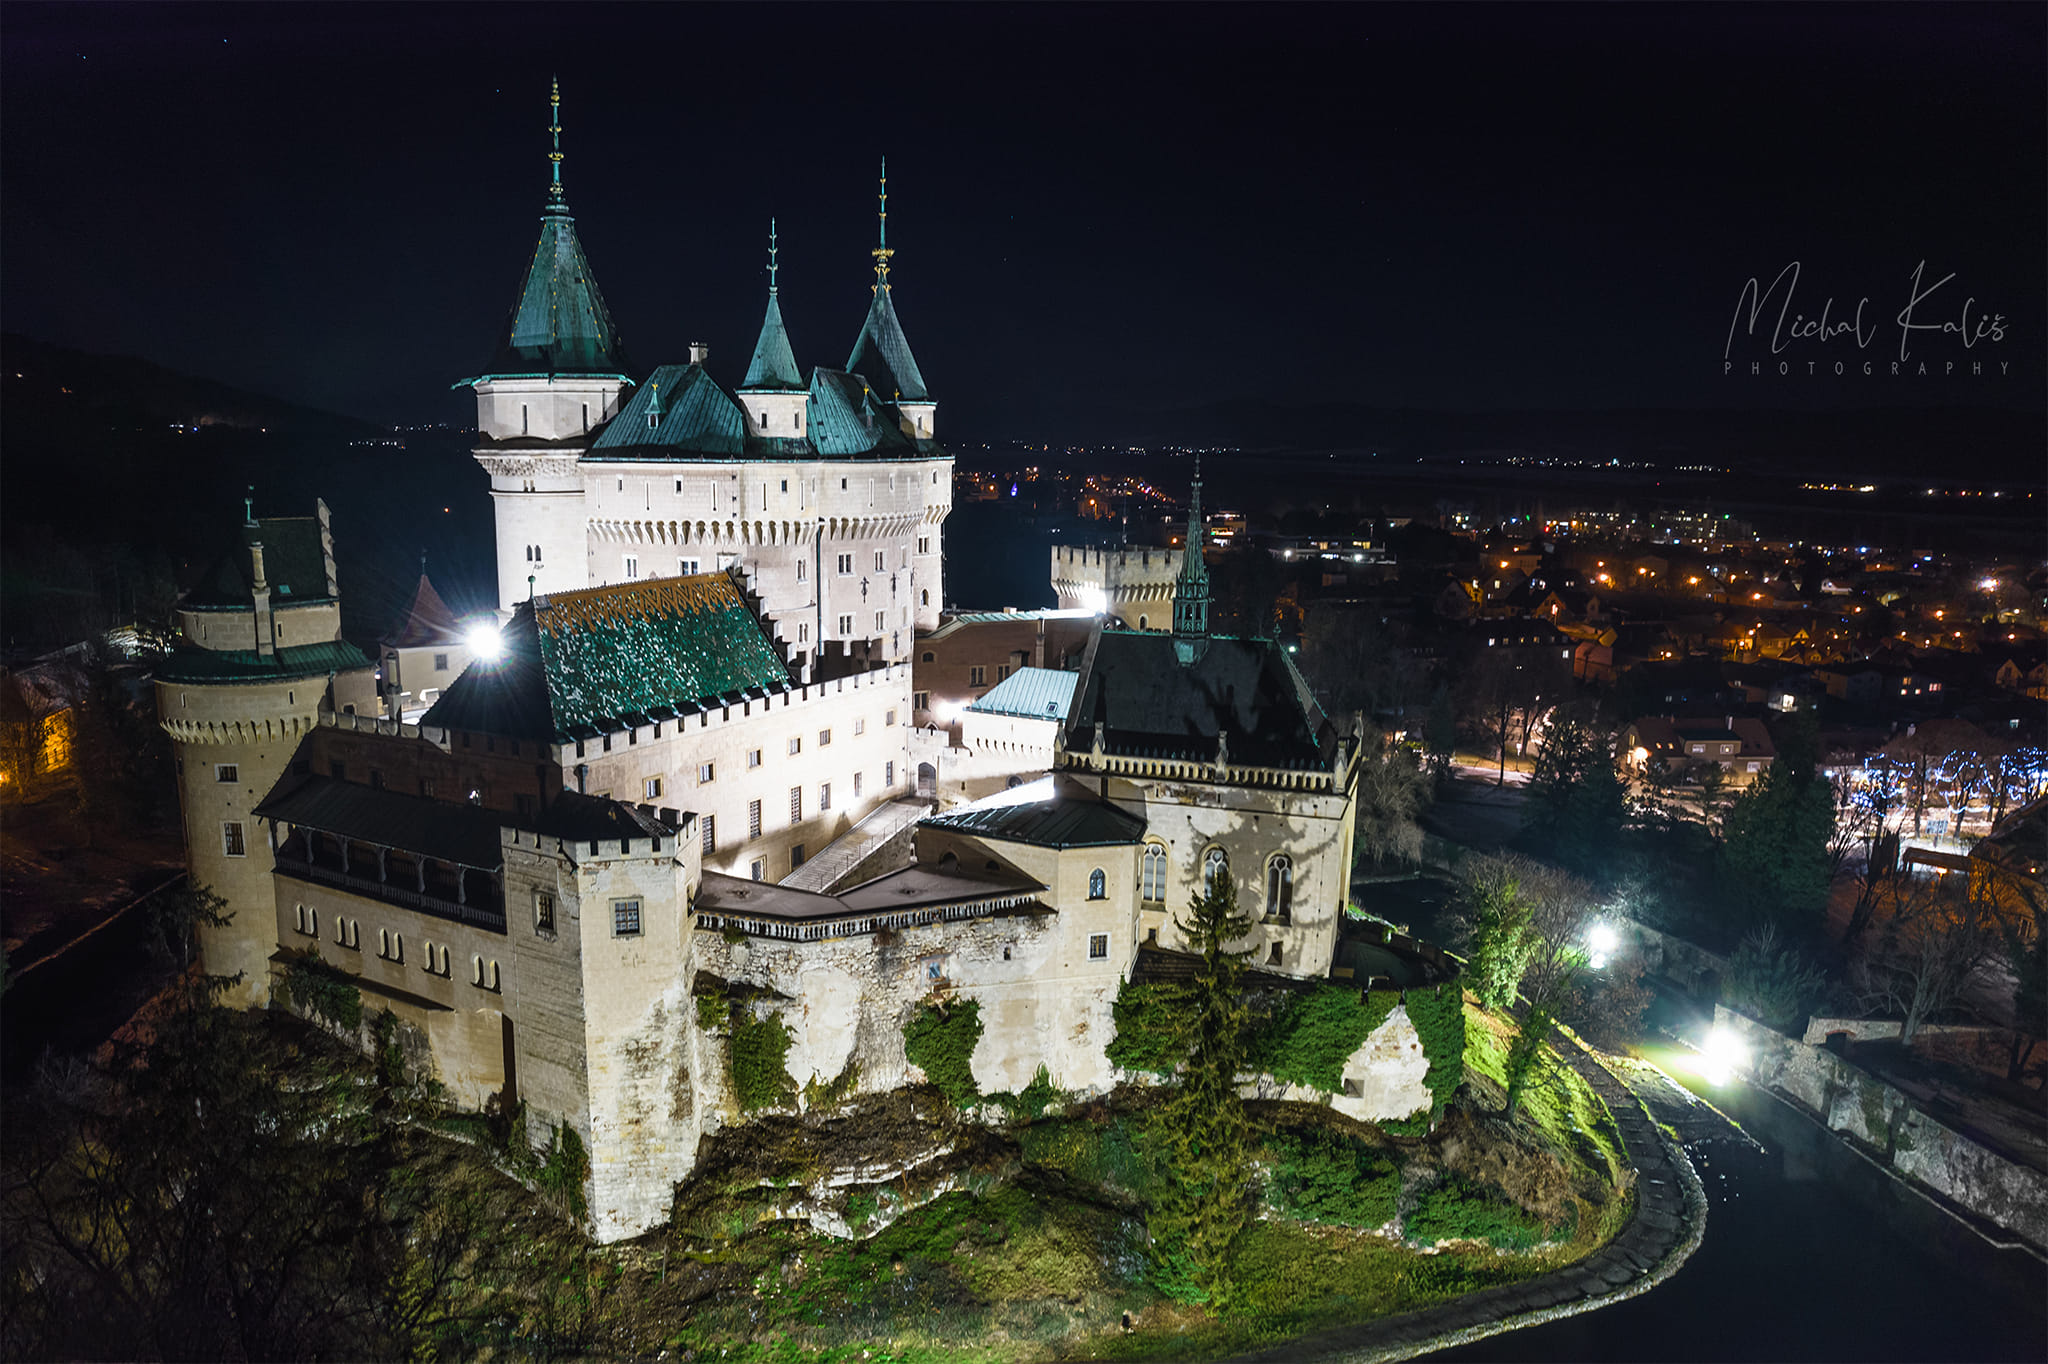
{"x": 1215, "y": 865}
{"x": 1098, "y": 885}
{"x": 1280, "y": 889}
{"x": 924, "y": 598}
{"x": 1141, "y": 623}
{"x": 1152, "y": 875}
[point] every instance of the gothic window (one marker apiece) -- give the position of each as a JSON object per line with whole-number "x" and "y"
{"x": 1215, "y": 865}
{"x": 1280, "y": 888}
{"x": 1098, "y": 885}
{"x": 1152, "y": 881}
{"x": 925, "y": 597}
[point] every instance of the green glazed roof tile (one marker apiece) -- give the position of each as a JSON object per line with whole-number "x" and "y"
{"x": 560, "y": 325}
{"x": 678, "y": 413}
{"x": 202, "y": 666}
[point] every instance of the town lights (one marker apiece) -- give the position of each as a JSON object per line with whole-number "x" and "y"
{"x": 485, "y": 643}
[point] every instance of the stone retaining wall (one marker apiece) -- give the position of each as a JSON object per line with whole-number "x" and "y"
{"x": 1883, "y": 1121}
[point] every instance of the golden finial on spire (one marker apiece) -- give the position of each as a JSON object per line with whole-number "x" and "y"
{"x": 881, "y": 253}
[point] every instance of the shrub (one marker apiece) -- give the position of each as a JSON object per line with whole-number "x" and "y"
{"x": 1037, "y": 1097}
{"x": 1438, "y": 1015}
{"x": 1459, "y": 1211}
{"x": 563, "y": 1171}
{"x": 1770, "y": 982}
{"x": 314, "y": 987}
{"x": 1316, "y": 1031}
{"x": 760, "y": 1078}
{"x": 1151, "y": 1025}
{"x": 1088, "y": 1152}
{"x": 940, "y": 1041}
{"x": 1325, "y": 1177}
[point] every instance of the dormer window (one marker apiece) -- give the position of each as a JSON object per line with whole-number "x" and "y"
{"x": 653, "y": 420}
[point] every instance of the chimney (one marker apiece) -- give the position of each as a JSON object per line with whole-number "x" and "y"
{"x": 259, "y": 592}
{"x": 700, "y": 351}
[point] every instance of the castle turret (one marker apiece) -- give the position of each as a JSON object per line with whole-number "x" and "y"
{"x": 261, "y": 655}
{"x": 556, "y": 379}
{"x": 774, "y": 393}
{"x": 881, "y": 354}
{"x": 1191, "y": 588}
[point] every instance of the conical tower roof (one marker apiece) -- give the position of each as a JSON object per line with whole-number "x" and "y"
{"x": 881, "y": 354}
{"x": 560, "y": 325}
{"x": 773, "y": 368}
{"x": 427, "y": 621}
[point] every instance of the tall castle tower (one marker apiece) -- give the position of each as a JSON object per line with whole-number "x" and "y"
{"x": 1191, "y": 588}
{"x": 557, "y": 378}
{"x": 261, "y": 654}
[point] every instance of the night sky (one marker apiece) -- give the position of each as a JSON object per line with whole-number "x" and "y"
{"x": 1096, "y": 211}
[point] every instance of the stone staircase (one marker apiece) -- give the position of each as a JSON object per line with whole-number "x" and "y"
{"x": 837, "y": 860}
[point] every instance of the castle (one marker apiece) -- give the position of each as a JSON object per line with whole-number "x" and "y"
{"x": 646, "y": 796}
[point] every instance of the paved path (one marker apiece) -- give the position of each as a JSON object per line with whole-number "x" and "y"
{"x": 1669, "y": 1219}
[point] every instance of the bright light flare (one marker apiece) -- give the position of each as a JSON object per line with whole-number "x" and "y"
{"x": 947, "y": 712}
{"x": 1721, "y": 1056}
{"x": 1603, "y": 942}
{"x": 486, "y": 645}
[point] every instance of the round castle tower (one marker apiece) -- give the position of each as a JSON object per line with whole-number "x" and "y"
{"x": 261, "y": 654}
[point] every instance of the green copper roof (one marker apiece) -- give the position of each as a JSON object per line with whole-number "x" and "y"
{"x": 774, "y": 365}
{"x": 578, "y": 664}
{"x": 560, "y": 324}
{"x": 1038, "y": 693}
{"x": 847, "y": 417}
{"x": 677, "y": 414}
{"x": 1049, "y": 813}
{"x": 882, "y": 356}
{"x": 202, "y": 666}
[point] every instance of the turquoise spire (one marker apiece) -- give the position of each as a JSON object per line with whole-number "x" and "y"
{"x": 1191, "y": 588}
{"x": 560, "y": 325}
{"x": 773, "y": 368}
{"x": 881, "y": 353}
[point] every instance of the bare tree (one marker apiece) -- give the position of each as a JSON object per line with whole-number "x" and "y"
{"x": 1393, "y": 791}
{"x": 1934, "y": 934}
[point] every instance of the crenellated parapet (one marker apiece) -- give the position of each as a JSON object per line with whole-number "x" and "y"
{"x": 244, "y": 730}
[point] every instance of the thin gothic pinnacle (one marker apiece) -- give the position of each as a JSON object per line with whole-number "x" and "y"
{"x": 881, "y": 253}
{"x": 555, "y": 130}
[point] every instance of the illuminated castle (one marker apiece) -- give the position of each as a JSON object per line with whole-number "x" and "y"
{"x": 828, "y": 494}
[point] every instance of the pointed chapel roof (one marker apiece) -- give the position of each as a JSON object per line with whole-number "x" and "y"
{"x": 773, "y": 369}
{"x": 427, "y": 621}
{"x": 560, "y": 324}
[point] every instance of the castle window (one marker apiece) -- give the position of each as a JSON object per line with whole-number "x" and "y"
{"x": 312, "y": 923}
{"x": 232, "y": 844}
{"x": 845, "y": 565}
{"x": 706, "y": 773}
{"x": 880, "y": 622}
{"x": 1098, "y": 885}
{"x": 824, "y": 738}
{"x": 1215, "y": 865}
{"x": 796, "y": 745}
{"x": 1273, "y": 958}
{"x": 753, "y": 757}
{"x": 544, "y": 913}
{"x": 803, "y": 633}
{"x": 921, "y": 700}
{"x": 824, "y": 796}
{"x": 977, "y": 676}
{"x": 1098, "y": 947}
{"x": 226, "y": 772}
{"x": 586, "y": 419}
{"x": 802, "y": 570}
{"x": 1141, "y": 623}
{"x": 710, "y": 833}
{"x": 523, "y": 427}
{"x": 924, "y": 544}
{"x": 856, "y": 786}
{"x": 796, "y": 857}
{"x": 1152, "y": 876}
{"x": 390, "y": 946}
{"x": 889, "y": 774}
{"x": 301, "y": 916}
{"x": 753, "y": 819}
{"x": 842, "y": 485}
{"x": 758, "y": 869}
{"x": 860, "y": 727}
{"x": 687, "y": 568}
{"x": 764, "y": 422}
{"x": 879, "y": 565}
{"x": 652, "y": 788}
{"x": 1002, "y": 671}
{"x": 846, "y": 625}
{"x": 888, "y": 717}
{"x": 796, "y": 804}
{"x": 625, "y": 918}
{"x": 632, "y": 566}
{"x": 925, "y": 597}
{"x": 1280, "y": 888}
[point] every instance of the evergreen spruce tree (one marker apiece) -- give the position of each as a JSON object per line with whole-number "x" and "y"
{"x": 1199, "y": 1137}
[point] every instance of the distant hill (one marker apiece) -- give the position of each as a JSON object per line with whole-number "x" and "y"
{"x": 1971, "y": 442}
{"x": 50, "y": 391}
